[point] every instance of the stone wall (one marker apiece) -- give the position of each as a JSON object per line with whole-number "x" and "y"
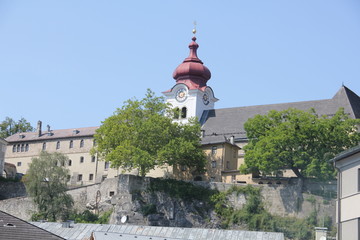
{"x": 12, "y": 190}
{"x": 122, "y": 195}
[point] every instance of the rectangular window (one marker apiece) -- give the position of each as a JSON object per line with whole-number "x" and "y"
{"x": 111, "y": 193}
{"x": 107, "y": 165}
{"x": 91, "y": 177}
{"x": 18, "y": 164}
{"x": 213, "y": 164}
{"x": 79, "y": 177}
{"x": 93, "y": 159}
{"x": 81, "y": 159}
{"x": 213, "y": 150}
{"x": 58, "y": 145}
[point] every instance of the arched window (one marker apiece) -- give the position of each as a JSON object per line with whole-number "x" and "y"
{"x": 22, "y": 147}
{"x": 18, "y": 148}
{"x": 176, "y": 113}
{"x": 82, "y": 143}
{"x": 26, "y": 147}
{"x": 44, "y": 146}
{"x": 71, "y": 145}
{"x": 14, "y": 148}
{"x": 183, "y": 112}
{"x": 58, "y": 145}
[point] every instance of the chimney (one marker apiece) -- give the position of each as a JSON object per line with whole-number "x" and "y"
{"x": 39, "y": 128}
{"x": 232, "y": 140}
{"x": 320, "y": 233}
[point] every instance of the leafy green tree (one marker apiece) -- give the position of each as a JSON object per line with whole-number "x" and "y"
{"x": 141, "y": 135}
{"x": 298, "y": 140}
{"x": 46, "y": 183}
{"x": 9, "y": 127}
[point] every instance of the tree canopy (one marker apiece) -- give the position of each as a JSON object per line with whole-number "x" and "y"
{"x": 9, "y": 127}
{"x": 298, "y": 140}
{"x": 45, "y": 182}
{"x": 141, "y": 135}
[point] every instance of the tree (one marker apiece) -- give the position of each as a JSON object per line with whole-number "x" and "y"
{"x": 298, "y": 140}
{"x": 9, "y": 127}
{"x": 45, "y": 182}
{"x": 141, "y": 135}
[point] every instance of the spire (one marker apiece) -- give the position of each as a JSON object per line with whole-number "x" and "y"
{"x": 192, "y": 71}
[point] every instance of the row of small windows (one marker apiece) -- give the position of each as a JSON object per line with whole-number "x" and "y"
{"x": 25, "y": 147}
{"x": 180, "y": 114}
{"x": 21, "y": 148}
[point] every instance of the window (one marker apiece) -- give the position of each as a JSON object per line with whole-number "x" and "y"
{"x": 213, "y": 150}
{"x": 26, "y": 147}
{"x": 91, "y": 177}
{"x": 107, "y": 165}
{"x": 71, "y": 145}
{"x": 183, "y": 112}
{"x": 58, "y": 145}
{"x": 94, "y": 142}
{"x": 233, "y": 178}
{"x": 93, "y": 158}
{"x": 22, "y": 147}
{"x": 81, "y": 159}
{"x": 79, "y": 177}
{"x": 18, "y": 164}
{"x": 70, "y": 162}
{"x": 14, "y": 148}
{"x": 227, "y": 164}
{"x": 111, "y": 193}
{"x": 18, "y": 148}
{"x": 213, "y": 164}
{"x": 82, "y": 143}
{"x": 176, "y": 113}
{"x": 44, "y": 146}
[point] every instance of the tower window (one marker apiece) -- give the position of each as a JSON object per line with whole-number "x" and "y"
{"x": 183, "y": 112}
{"x": 44, "y": 146}
{"x": 71, "y": 145}
{"x": 58, "y": 145}
{"x": 176, "y": 113}
{"x": 82, "y": 143}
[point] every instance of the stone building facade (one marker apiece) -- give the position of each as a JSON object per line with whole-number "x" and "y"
{"x": 2, "y": 156}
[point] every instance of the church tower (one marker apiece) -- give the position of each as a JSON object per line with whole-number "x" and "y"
{"x": 190, "y": 96}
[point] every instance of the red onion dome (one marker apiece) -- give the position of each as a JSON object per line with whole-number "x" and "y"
{"x": 192, "y": 68}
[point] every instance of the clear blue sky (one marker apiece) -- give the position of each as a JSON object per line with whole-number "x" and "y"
{"x": 72, "y": 63}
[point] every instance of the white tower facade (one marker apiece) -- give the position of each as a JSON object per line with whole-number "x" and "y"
{"x": 190, "y": 96}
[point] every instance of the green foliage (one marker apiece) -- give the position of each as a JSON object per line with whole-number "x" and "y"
{"x": 298, "y": 140}
{"x": 89, "y": 217}
{"x": 181, "y": 190}
{"x": 9, "y": 127}
{"x": 141, "y": 135}
{"x": 45, "y": 182}
{"x": 148, "y": 209}
{"x": 257, "y": 218}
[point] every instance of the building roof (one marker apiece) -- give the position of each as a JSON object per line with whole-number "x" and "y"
{"x": 16, "y": 229}
{"x": 103, "y": 232}
{"x": 346, "y": 154}
{"x": 53, "y": 134}
{"x": 220, "y": 124}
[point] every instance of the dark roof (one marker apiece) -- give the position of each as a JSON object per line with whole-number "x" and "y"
{"x": 109, "y": 231}
{"x": 16, "y": 229}
{"x": 55, "y": 134}
{"x": 220, "y": 124}
{"x": 346, "y": 154}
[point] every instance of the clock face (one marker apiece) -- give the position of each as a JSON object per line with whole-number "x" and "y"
{"x": 181, "y": 95}
{"x": 205, "y": 99}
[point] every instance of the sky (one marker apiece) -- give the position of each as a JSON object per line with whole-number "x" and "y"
{"x": 71, "y": 63}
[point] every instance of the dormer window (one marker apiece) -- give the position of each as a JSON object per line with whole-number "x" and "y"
{"x": 82, "y": 143}
{"x": 71, "y": 145}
